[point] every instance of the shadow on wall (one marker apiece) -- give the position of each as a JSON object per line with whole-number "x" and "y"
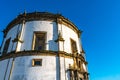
{"x": 52, "y": 44}
{"x": 57, "y": 68}
{"x": 68, "y": 75}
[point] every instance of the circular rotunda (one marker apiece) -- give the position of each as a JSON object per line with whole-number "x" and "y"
{"x": 42, "y": 46}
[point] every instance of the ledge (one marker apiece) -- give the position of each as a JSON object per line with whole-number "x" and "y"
{"x": 40, "y": 53}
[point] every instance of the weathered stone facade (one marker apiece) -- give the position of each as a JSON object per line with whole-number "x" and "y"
{"x": 42, "y": 46}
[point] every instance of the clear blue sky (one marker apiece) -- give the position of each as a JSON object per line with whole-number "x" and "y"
{"x": 99, "y": 20}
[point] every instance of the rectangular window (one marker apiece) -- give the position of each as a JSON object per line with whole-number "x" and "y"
{"x": 39, "y": 41}
{"x": 37, "y": 62}
{"x": 6, "y": 46}
{"x": 73, "y": 46}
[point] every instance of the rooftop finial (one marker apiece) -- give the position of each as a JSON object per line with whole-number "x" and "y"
{"x": 24, "y": 13}
{"x": 20, "y": 13}
{"x": 35, "y": 11}
{"x": 58, "y": 12}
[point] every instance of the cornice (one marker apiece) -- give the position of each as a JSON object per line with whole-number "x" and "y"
{"x": 40, "y": 16}
{"x": 40, "y": 53}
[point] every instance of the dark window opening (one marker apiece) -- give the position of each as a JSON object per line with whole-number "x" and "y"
{"x": 73, "y": 46}
{"x": 6, "y": 46}
{"x": 37, "y": 62}
{"x": 39, "y": 41}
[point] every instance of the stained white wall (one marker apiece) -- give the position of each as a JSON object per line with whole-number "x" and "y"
{"x": 11, "y": 34}
{"x": 68, "y": 34}
{"x": 52, "y": 34}
{"x": 28, "y": 32}
{"x": 23, "y": 69}
{"x": 62, "y": 68}
{"x": 5, "y": 67}
{"x": 46, "y": 26}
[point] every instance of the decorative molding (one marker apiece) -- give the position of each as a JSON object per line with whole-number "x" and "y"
{"x": 17, "y": 40}
{"x": 60, "y": 38}
{"x": 40, "y": 16}
{"x": 79, "y": 33}
{"x": 83, "y": 52}
{"x": 78, "y": 72}
{"x": 86, "y": 63}
{"x": 41, "y": 53}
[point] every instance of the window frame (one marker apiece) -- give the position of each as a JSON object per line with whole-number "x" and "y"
{"x": 33, "y": 62}
{"x": 73, "y": 51}
{"x": 36, "y": 33}
{"x": 6, "y": 44}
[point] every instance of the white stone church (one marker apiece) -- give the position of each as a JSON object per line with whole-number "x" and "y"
{"x": 42, "y": 46}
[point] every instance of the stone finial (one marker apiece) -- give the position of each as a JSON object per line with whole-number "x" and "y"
{"x": 24, "y": 13}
